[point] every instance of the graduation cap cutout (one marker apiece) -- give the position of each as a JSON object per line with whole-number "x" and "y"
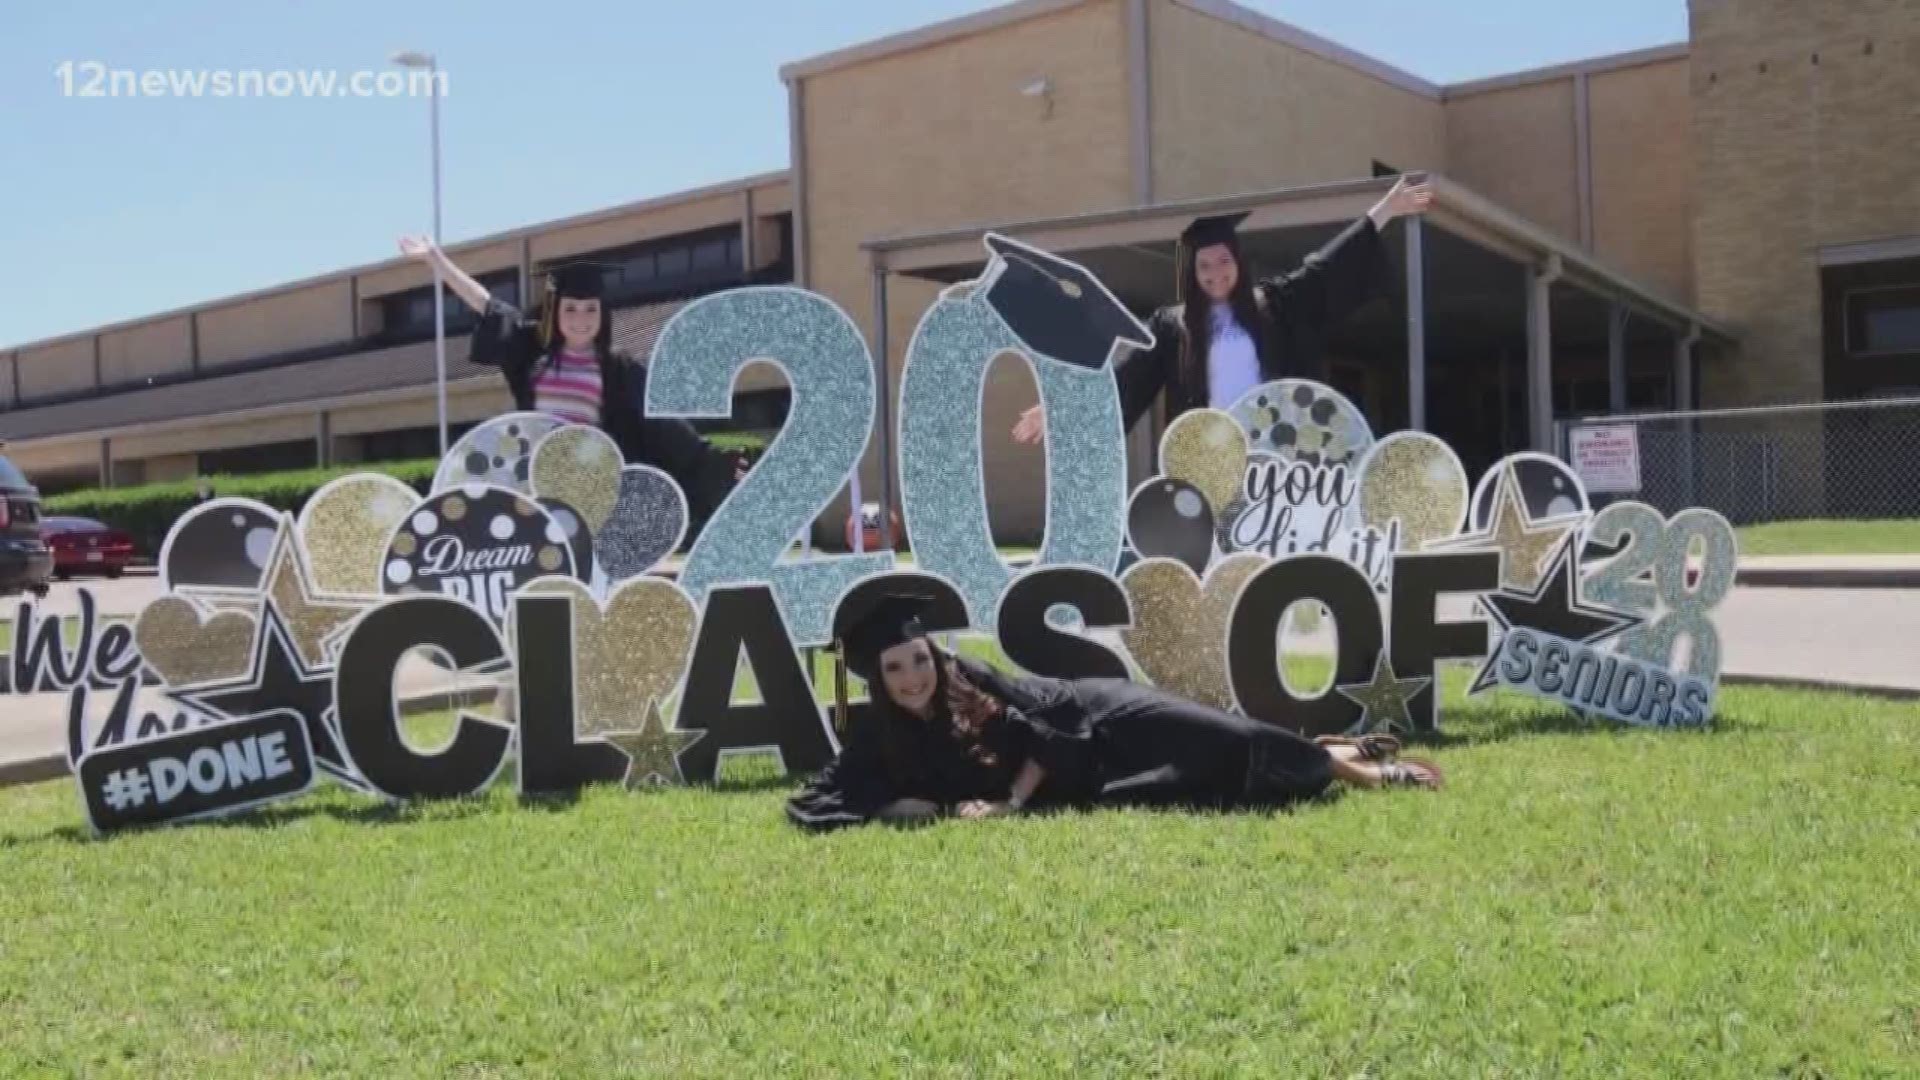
{"x": 1056, "y": 308}
{"x": 1218, "y": 229}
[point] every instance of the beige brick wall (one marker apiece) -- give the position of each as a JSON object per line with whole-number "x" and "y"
{"x": 140, "y": 352}
{"x": 1516, "y": 146}
{"x": 1642, "y": 152}
{"x": 1791, "y": 155}
{"x": 55, "y": 369}
{"x": 168, "y": 468}
{"x": 940, "y": 136}
{"x": 38, "y": 460}
{"x": 217, "y": 436}
{"x": 264, "y": 326}
{"x": 464, "y": 403}
{"x": 6, "y": 379}
{"x": 1233, "y": 110}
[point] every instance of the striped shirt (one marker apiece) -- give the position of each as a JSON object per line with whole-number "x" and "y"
{"x": 568, "y": 389}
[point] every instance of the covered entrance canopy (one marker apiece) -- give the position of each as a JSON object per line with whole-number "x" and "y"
{"x": 1495, "y": 326}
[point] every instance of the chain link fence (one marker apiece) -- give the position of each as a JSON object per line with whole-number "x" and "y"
{"x": 1834, "y": 460}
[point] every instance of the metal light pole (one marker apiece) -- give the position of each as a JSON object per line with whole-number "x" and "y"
{"x": 416, "y": 61}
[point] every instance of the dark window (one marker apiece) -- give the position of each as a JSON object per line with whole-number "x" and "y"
{"x": 711, "y": 255}
{"x": 409, "y": 315}
{"x": 674, "y": 262}
{"x": 272, "y": 457}
{"x": 1381, "y": 168}
{"x": 408, "y": 444}
{"x": 1883, "y": 320}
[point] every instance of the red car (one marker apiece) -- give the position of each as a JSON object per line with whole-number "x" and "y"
{"x": 83, "y": 546}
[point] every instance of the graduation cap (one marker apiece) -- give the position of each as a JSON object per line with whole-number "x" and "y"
{"x": 873, "y": 624}
{"x": 1206, "y": 231}
{"x": 1056, "y": 308}
{"x": 581, "y": 279}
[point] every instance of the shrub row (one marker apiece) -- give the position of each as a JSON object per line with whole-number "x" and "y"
{"x": 149, "y": 510}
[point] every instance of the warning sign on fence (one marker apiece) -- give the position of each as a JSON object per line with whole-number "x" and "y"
{"x": 1607, "y": 457}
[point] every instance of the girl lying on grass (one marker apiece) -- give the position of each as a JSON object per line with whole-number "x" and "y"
{"x": 948, "y": 736}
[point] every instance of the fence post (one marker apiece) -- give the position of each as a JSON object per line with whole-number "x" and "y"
{"x": 1683, "y": 403}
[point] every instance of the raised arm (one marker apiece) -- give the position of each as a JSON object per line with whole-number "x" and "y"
{"x": 1349, "y": 270}
{"x": 1141, "y": 373}
{"x": 423, "y": 249}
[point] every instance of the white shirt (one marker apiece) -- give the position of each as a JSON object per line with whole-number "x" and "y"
{"x": 1233, "y": 365}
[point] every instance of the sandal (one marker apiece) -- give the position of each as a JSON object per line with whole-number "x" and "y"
{"x": 1413, "y": 772}
{"x": 1372, "y": 747}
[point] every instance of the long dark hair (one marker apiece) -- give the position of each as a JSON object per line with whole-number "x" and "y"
{"x": 1196, "y": 315}
{"x": 602, "y": 338}
{"x": 969, "y": 713}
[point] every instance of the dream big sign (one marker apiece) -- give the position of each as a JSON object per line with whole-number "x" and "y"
{"x": 279, "y": 646}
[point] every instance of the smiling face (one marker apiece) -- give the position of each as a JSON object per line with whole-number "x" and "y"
{"x": 579, "y": 322}
{"x": 907, "y": 671}
{"x": 1217, "y": 270}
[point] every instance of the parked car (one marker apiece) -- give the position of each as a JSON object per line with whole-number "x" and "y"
{"x": 25, "y": 562}
{"x": 84, "y": 546}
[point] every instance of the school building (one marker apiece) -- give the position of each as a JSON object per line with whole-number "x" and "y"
{"x": 1731, "y": 220}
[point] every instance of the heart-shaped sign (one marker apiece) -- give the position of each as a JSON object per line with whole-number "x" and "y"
{"x": 185, "y": 647}
{"x": 647, "y": 524}
{"x": 1179, "y": 635}
{"x": 629, "y": 654}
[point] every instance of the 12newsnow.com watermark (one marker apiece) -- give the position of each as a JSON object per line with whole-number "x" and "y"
{"x": 94, "y": 79}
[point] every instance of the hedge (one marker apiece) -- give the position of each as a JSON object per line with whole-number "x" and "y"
{"x": 148, "y": 511}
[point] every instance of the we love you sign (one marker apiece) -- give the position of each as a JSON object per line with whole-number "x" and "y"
{"x": 536, "y": 562}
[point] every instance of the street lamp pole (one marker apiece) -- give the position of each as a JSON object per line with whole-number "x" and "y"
{"x": 416, "y": 61}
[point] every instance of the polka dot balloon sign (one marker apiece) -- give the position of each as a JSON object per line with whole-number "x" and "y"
{"x": 498, "y": 453}
{"x": 219, "y": 546}
{"x": 477, "y": 543}
{"x": 1299, "y": 420}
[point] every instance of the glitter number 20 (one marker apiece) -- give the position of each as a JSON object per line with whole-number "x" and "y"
{"x": 1676, "y": 609}
{"x": 943, "y": 482}
{"x": 830, "y": 370}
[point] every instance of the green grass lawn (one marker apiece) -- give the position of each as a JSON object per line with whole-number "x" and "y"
{"x": 1579, "y": 902}
{"x": 1892, "y": 537}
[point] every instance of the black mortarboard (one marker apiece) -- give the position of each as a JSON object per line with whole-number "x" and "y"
{"x": 1056, "y": 308}
{"x": 578, "y": 280}
{"x": 873, "y": 624}
{"x": 1217, "y": 229}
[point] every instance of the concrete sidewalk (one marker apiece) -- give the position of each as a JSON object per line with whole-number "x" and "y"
{"x": 1829, "y": 572}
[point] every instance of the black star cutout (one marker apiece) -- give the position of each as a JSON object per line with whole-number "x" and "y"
{"x": 1553, "y": 608}
{"x": 277, "y": 679}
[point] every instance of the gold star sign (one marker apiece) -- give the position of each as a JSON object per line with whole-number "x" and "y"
{"x": 313, "y": 621}
{"x": 1383, "y": 702}
{"x": 1526, "y": 546}
{"x": 653, "y": 752}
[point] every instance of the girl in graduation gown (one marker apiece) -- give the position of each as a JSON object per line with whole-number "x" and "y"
{"x": 565, "y": 365}
{"x": 1228, "y": 332}
{"x": 946, "y": 735}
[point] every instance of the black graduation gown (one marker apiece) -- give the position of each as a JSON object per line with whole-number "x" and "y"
{"x": 1298, "y": 310}
{"x": 1102, "y": 742}
{"x": 506, "y": 339}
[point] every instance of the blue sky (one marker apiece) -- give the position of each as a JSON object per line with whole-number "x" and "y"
{"x": 120, "y": 207}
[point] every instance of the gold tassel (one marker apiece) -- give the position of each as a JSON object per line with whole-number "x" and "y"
{"x": 548, "y": 306}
